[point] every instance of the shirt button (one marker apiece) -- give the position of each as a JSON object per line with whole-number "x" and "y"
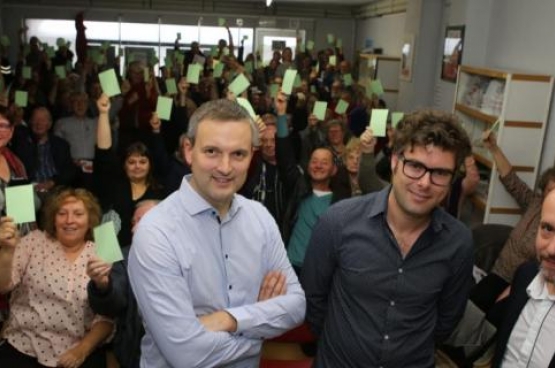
{"x": 226, "y": 256}
{"x": 386, "y": 337}
{"x": 392, "y": 303}
{"x": 400, "y": 270}
{"x": 230, "y": 287}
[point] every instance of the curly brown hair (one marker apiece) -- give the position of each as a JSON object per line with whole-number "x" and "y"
{"x": 58, "y": 197}
{"x": 434, "y": 127}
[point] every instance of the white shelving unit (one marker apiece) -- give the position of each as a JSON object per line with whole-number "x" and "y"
{"x": 521, "y": 102}
{"x": 386, "y": 69}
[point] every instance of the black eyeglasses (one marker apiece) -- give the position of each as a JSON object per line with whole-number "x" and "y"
{"x": 416, "y": 170}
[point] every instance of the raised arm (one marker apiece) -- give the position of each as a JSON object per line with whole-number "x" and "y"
{"x": 501, "y": 162}
{"x": 9, "y": 238}
{"x": 103, "y": 132}
{"x": 368, "y": 178}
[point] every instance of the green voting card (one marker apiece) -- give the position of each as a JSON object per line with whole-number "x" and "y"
{"x": 61, "y": 71}
{"x": 288, "y": 81}
{"x": 333, "y": 60}
{"x": 341, "y": 107}
{"x": 179, "y": 57}
{"x": 348, "y": 80}
{"x": 21, "y": 98}
{"x": 178, "y": 36}
{"x": 302, "y": 47}
{"x": 214, "y": 51}
{"x": 193, "y": 73}
{"x": 274, "y": 89}
{"x": 171, "y": 86}
{"x": 106, "y": 243}
{"x": 339, "y": 43}
{"x": 164, "y": 107}
{"x": 377, "y": 87}
{"x": 396, "y": 117}
{"x": 378, "y": 122}
{"x": 320, "y": 110}
{"x": 218, "y": 70}
{"x": 313, "y": 89}
{"x": 495, "y": 127}
{"x": 247, "y": 106}
{"x": 331, "y": 38}
{"x": 26, "y": 72}
{"x": 168, "y": 62}
{"x": 239, "y": 85}
{"x": 50, "y": 52}
{"x": 221, "y": 22}
{"x": 310, "y": 45}
{"x": 20, "y": 203}
{"x": 109, "y": 82}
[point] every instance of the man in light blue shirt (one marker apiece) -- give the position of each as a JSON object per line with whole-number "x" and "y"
{"x": 208, "y": 267}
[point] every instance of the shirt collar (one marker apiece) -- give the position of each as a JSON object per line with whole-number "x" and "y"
{"x": 537, "y": 289}
{"x": 380, "y": 208}
{"x": 195, "y": 204}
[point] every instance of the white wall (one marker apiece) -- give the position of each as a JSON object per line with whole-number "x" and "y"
{"x": 521, "y": 38}
{"x": 386, "y": 33}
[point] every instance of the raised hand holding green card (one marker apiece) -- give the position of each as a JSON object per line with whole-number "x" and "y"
{"x": 20, "y": 203}
{"x": 320, "y": 110}
{"x": 247, "y": 106}
{"x": 106, "y": 243}
{"x": 378, "y": 122}
{"x": 377, "y": 87}
{"x": 239, "y": 85}
{"x": 288, "y": 81}
{"x": 109, "y": 82}
{"x": 164, "y": 107}
{"x": 171, "y": 86}
{"x": 396, "y": 117}
{"x": 341, "y": 107}
{"x": 193, "y": 73}
{"x": 21, "y": 98}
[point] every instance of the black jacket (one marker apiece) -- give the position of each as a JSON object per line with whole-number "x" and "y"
{"x": 515, "y": 304}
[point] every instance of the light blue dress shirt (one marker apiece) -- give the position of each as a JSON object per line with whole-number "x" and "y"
{"x": 186, "y": 262}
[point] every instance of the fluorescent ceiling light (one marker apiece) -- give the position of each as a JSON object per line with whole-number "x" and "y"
{"x": 268, "y": 2}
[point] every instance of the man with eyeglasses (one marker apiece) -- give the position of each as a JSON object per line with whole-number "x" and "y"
{"x": 387, "y": 275}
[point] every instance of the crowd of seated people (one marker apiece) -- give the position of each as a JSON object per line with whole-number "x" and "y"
{"x": 112, "y": 155}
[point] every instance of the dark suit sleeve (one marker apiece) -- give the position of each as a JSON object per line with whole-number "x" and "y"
{"x": 113, "y": 301}
{"x": 65, "y": 167}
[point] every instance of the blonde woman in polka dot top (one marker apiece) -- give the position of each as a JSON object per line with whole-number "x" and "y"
{"x": 50, "y": 322}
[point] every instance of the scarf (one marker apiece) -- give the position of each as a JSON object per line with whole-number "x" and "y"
{"x": 15, "y": 164}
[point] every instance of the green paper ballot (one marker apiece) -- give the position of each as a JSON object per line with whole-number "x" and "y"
{"x": 109, "y": 82}
{"x": 377, "y": 87}
{"x": 221, "y": 22}
{"x": 171, "y": 86}
{"x": 164, "y": 107}
{"x": 495, "y": 127}
{"x": 225, "y": 51}
{"x": 348, "y": 80}
{"x": 396, "y": 117}
{"x": 60, "y": 71}
{"x": 21, "y": 98}
{"x": 239, "y": 85}
{"x": 26, "y": 72}
{"x": 218, "y": 70}
{"x": 313, "y": 89}
{"x": 105, "y": 45}
{"x": 341, "y": 107}
{"x": 288, "y": 81}
{"x": 214, "y": 51}
{"x": 378, "y": 122}
{"x": 168, "y": 62}
{"x": 302, "y": 47}
{"x": 274, "y": 89}
{"x": 339, "y": 43}
{"x": 106, "y": 243}
{"x": 333, "y": 60}
{"x": 178, "y": 35}
{"x": 320, "y": 110}
{"x": 310, "y": 45}
{"x": 179, "y": 57}
{"x": 20, "y": 203}
{"x": 193, "y": 73}
{"x": 331, "y": 38}
{"x": 247, "y": 106}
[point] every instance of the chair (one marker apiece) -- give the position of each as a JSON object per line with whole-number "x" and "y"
{"x": 285, "y": 350}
